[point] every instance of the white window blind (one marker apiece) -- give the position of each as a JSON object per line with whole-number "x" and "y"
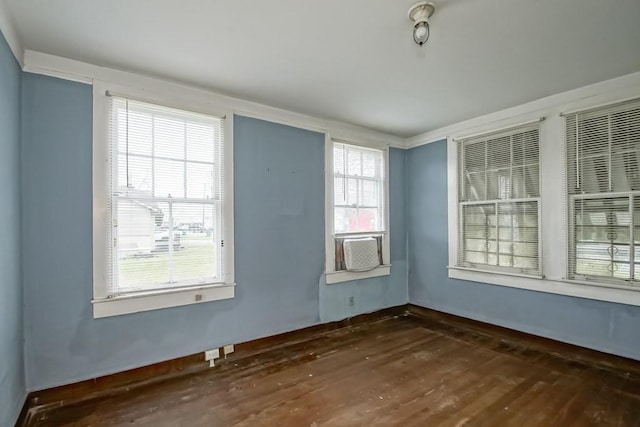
{"x": 603, "y": 186}
{"x": 358, "y": 176}
{"x": 166, "y": 197}
{"x": 499, "y": 200}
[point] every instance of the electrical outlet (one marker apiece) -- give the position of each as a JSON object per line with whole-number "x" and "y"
{"x": 228, "y": 349}
{"x": 352, "y": 301}
{"x": 212, "y": 354}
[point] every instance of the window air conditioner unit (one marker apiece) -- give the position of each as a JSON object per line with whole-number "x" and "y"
{"x": 361, "y": 254}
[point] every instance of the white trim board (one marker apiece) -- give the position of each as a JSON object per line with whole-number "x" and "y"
{"x": 56, "y": 66}
{"x": 68, "y": 69}
{"x": 612, "y": 90}
{"x": 8, "y": 29}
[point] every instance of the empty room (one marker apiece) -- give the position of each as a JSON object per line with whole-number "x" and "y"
{"x": 320, "y": 213}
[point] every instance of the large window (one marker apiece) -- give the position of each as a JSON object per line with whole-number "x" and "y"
{"x": 603, "y": 177}
{"x": 359, "y": 236}
{"x": 164, "y": 223}
{"x": 498, "y": 201}
{"x": 550, "y": 201}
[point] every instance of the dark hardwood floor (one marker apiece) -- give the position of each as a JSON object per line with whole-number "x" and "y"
{"x": 400, "y": 370}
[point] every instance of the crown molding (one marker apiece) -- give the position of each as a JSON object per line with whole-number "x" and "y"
{"x": 8, "y": 29}
{"x": 56, "y": 66}
{"x": 612, "y": 90}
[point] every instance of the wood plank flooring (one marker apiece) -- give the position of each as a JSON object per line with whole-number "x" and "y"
{"x": 397, "y": 371}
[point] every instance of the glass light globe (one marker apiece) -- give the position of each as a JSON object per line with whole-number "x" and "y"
{"x": 421, "y": 33}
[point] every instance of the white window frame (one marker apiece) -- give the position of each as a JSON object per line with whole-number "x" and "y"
{"x": 554, "y": 219}
{"x": 497, "y": 202}
{"x": 333, "y": 276}
{"x": 572, "y": 198}
{"x": 104, "y": 306}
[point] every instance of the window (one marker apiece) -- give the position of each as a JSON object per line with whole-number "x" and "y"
{"x": 358, "y": 188}
{"x": 603, "y": 174}
{"x": 550, "y": 202}
{"x": 165, "y": 214}
{"x": 499, "y": 201}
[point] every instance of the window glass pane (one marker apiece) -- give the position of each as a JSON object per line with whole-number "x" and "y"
{"x": 594, "y": 135}
{"x": 505, "y": 259}
{"x": 475, "y": 186}
{"x": 518, "y": 149}
{"x": 518, "y": 233}
{"x": 352, "y": 220}
{"x": 479, "y": 234}
{"x": 625, "y": 170}
{"x": 369, "y": 193}
{"x": 594, "y": 174}
{"x": 352, "y": 191}
{"x": 169, "y": 178}
{"x": 499, "y": 184}
{"x": 169, "y": 138}
{"x": 370, "y": 164}
{"x": 369, "y": 220}
{"x": 602, "y": 233}
{"x": 134, "y": 132}
{"x": 525, "y": 263}
{"x": 474, "y": 157}
{"x": 475, "y": 257}
{"x": 339, "y": 158}
{"x": 532, "y": 181}
{"x": 199, "y": 181}
{"x": 345, "y": 220}
{"x": 530, "y": 147}
{"x": 200, "y": 142}
{"x": 194, "y": 260}
{"x": 498, "y": 153}
{"x": 142, "y": 244}
{"x": 518, "y": 190}
{"x": 140, "y": 177}
{"x": 354, "y": 162}
{"x": 339, "y": 191}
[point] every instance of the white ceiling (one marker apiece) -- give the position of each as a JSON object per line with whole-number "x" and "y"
{"x": 350, "y": 60}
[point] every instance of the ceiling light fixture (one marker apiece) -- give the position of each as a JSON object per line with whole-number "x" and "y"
{"x": 419, "y": 14}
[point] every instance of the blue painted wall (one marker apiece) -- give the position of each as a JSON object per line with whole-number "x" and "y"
{"x": 609, "y": 327}
{"x": 379, "y": 292}
{"x": 279, "y": 238}
{"x": 12, "y": 386}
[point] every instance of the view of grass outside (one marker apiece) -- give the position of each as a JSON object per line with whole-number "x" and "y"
{"x": 193, "y": 260}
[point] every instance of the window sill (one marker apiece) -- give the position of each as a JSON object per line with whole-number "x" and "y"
{"x": 574, "y": 288}
{"x": 154, "y": 300}
{"x": 346, "y": 276}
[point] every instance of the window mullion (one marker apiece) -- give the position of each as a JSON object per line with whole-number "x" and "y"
{"x": 512, "y": 244}
{"x": 127, "y": 142}
{"x": 184, "y": 165}
{"x": 497, "y": 250}
{"x": 170, "y": 240}
{"x": 632, "y": 246}
{"x": 153, "y": 155}
{"x": 610, "y": 151}
{"x": 486, "y": 167}
{"x": 358, "y": 189}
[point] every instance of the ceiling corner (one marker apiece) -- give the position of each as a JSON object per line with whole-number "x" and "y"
{"x": 8, "y": 29}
